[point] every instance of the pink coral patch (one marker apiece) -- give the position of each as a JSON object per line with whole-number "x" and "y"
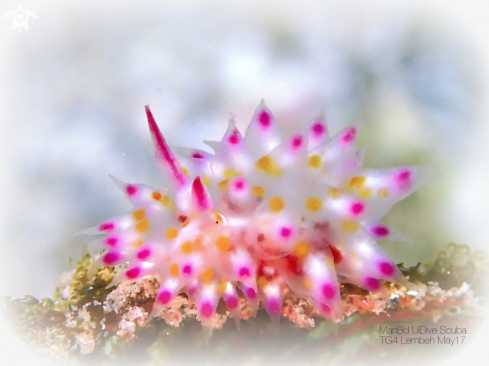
{"x": 164, "y": 297}
{"x": 264, "y": 119}
{"x": 273, "y": 307}
{"x": 234, "y": 138}
{"x": 297, "y": 142}
{"x": 206, "y": 310}
{"x": 197, "y": 155}
{"x": 380, "y": 230}
{"x": 357, "y": 208}
{"x": 131, "y": 190}
{"x": 187, "y": 269}
{"x": 111, "y": 241}
{"x": 144, "y": 253}
{"x": 328, "y": 291}
{"x": 111, "y": 258}
{"x": 349, "y": 135}
{"x": 386, "y": 268}
{"x": 244, "y": 272}
{"x": 371, "y": 283}
{"x": 106, "y": 226}
{"x": 133, "y": 273}
{"x": 318, "y": 129}
{"x": 250, "y": 293}
{"x": 232, "y": 303}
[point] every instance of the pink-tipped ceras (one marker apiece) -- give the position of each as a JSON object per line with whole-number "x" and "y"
{"x": 260, "y": 216}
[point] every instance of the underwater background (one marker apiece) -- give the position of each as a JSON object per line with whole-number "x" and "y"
{"x": 74, "y": 85}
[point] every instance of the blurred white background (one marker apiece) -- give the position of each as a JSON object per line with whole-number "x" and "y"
{"x": 74, "y": 86}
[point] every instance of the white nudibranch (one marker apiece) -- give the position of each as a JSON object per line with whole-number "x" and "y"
{"x": 260, "y": 216}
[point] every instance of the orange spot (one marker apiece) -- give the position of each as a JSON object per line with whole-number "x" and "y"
{"x": 314, "y": 204}
{"x": 142, "y": 226}
{"x": 223, "y": 285}
{"x": 171, "y": 233}
{"x": 349, "y": 226}
{"x": 223, "y": 243}
{"x": 383, "y": 192}
{"x": 307, "y": 283}
{"x": 223, "y": 184}
{"x": 301, "y": 250}
{"x": 334, "y": 193}
{"x": 205, "y": 179}
{"x": 315, "y": 161}
{"x": 208, "y": 275}
{"x": 218, "y": 217}
{"x": 276, "y": 204}
{"x": 156, "y": 196}
{"x": 173, "y": 269}
{"x": 262, "y": 282}
{"x": 229, "y": 173}
{"x": 357, "y": 182}
{"x": 187, "y": 247}
{"x": 258, "y": 191}
{"x": 138, "y": 243}
{"x": 138, "y": 215}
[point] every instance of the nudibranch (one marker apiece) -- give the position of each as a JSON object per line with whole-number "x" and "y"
{"x": 262, "y": 216}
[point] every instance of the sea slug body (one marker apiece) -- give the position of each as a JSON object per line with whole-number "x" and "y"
{"x": 260, "y": 216}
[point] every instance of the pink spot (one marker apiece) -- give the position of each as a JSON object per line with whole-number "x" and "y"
{"x": 106, "y": 226}
{"x": 371, "y": 283}
{"x": 250, "y": 293}
{"x": 244, "y": 272}
{"x": 285, "y": 231}
{"x": 297, "y": 142}
{"x": 380, "y": 230}
{"x": 206, "y": 310}
{"x": 111, "y": 258}
{"x": 232, "y": 302}
{"x": 264, "y": 119}
{"x": 318, "y": 129}
{"x": 357, "y": 208}
{"x": 144, "y": 253}
{"x": 239, "y": 184}
{"x": 404, "y": 180}
{"x": 133, "y": 273}
{"x": 197, "y": 155}
{"x": 349, "y": 134}
{"x": 273, "y": 308}
{"x": 131, "y": 190}
{"x": 328, "y": 291}
{"x": 187, "y": 269}
{"x": 164, "y": 297}
{"x": 325, "y": 308}
{"x": 192, "y": 290}
{"x": 386, "y": 268}
{"x": 111, "y": 241}
{"x": 234, "y": 138}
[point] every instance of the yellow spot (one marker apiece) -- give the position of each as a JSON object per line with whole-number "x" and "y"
{"x": 138, "y": 243}
{"x": 334, "y": 193}
{"x": 357, "y": 182}
{"x": 301, "y": 250}
{"x": 138, "y": 215}
{"x": 314, "y": 204}
{"x": 156, "y": 196}
{"x": 383, "y": 192}
{"x": 171, "y": 233}
{"x": 349, "y": 226}
{"x": 223, "y": 184}
{"x": 185, "y": 171}
{"x": 268, "y": 166}
{"x": 365, "y": 193}
{"x": 307, "y": 283}
{"x": 142, "y": 226}
{"x": 276, "y": 204}
{"x": 353, "y": 254}
{"x": 315, "y": 161}
{"x": 258, "y": 191}
{"x": 187, "y": 247}
{"x": 173, "y": 269}
{"x": 223, "y": 243}
{"x": 206, "y": 180}
{"x": 223, "y": 285}
{"x": 262, "y": 282}
{"x": 208, "y": 275}
{"x": 229, "y": 173}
